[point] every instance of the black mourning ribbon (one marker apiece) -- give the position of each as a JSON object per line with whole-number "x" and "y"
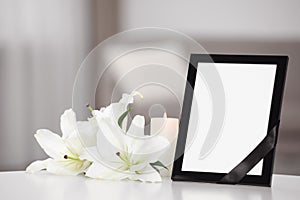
{"x": 262, "y": 149}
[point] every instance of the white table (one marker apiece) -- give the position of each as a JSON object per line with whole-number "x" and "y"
{"x": 20, "y": 185}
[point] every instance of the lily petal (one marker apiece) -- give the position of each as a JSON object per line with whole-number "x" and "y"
{"x": 52, "y": 144}
{"x": 93, "y": 155}
{"x": 90, "y": 153}
{"x": 148, "y": 149}
{"x": 109, "y": 129}
{"x": 106, "y": 148}
{"x": 139, "y": 167}
{"x": 38, "y": 165}
{"x": 87, "y": 132}
{"x": 152, "y": 144}
{"x": 149, "y": 175}
{"x": 137, "y": 126}
{"x": 74, "y": 145}
{"x": 67, "y": 167}
{"x": 99, "y": 171}
{"x": 68, "y": 124}
{"x": 119, "y": 108}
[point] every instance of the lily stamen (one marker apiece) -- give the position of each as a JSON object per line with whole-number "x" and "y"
{"x": 71, "y": 158}
{"x": 124, "y": 158}
{"x": 90, "y": 107}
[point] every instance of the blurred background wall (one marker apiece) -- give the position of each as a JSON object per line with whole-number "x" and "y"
{"x": 42, "y": 44}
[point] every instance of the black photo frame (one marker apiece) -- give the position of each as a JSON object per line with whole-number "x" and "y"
{"x": 265, "y": 178}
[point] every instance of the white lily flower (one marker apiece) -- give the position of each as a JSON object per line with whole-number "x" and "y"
{"x": 65, "y": 151}
{"x": 122, "y": 154}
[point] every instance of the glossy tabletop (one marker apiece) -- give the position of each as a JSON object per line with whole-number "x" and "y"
{"x": 20, "y": 185}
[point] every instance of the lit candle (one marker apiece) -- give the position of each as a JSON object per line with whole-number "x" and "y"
{"x": 168, "y": 128}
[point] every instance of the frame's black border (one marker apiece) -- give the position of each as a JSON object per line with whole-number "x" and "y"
{"x": 274, "y": 118}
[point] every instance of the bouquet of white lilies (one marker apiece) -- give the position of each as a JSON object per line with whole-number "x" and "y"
{"x": 103, "y": 147}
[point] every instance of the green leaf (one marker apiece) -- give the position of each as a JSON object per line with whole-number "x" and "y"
{"x": 122, "y": 117}
{"x": 158, "y": 164}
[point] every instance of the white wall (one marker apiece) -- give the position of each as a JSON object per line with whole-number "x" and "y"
{"x": 235, "y": 19}
{"x": 42, "y": 44}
